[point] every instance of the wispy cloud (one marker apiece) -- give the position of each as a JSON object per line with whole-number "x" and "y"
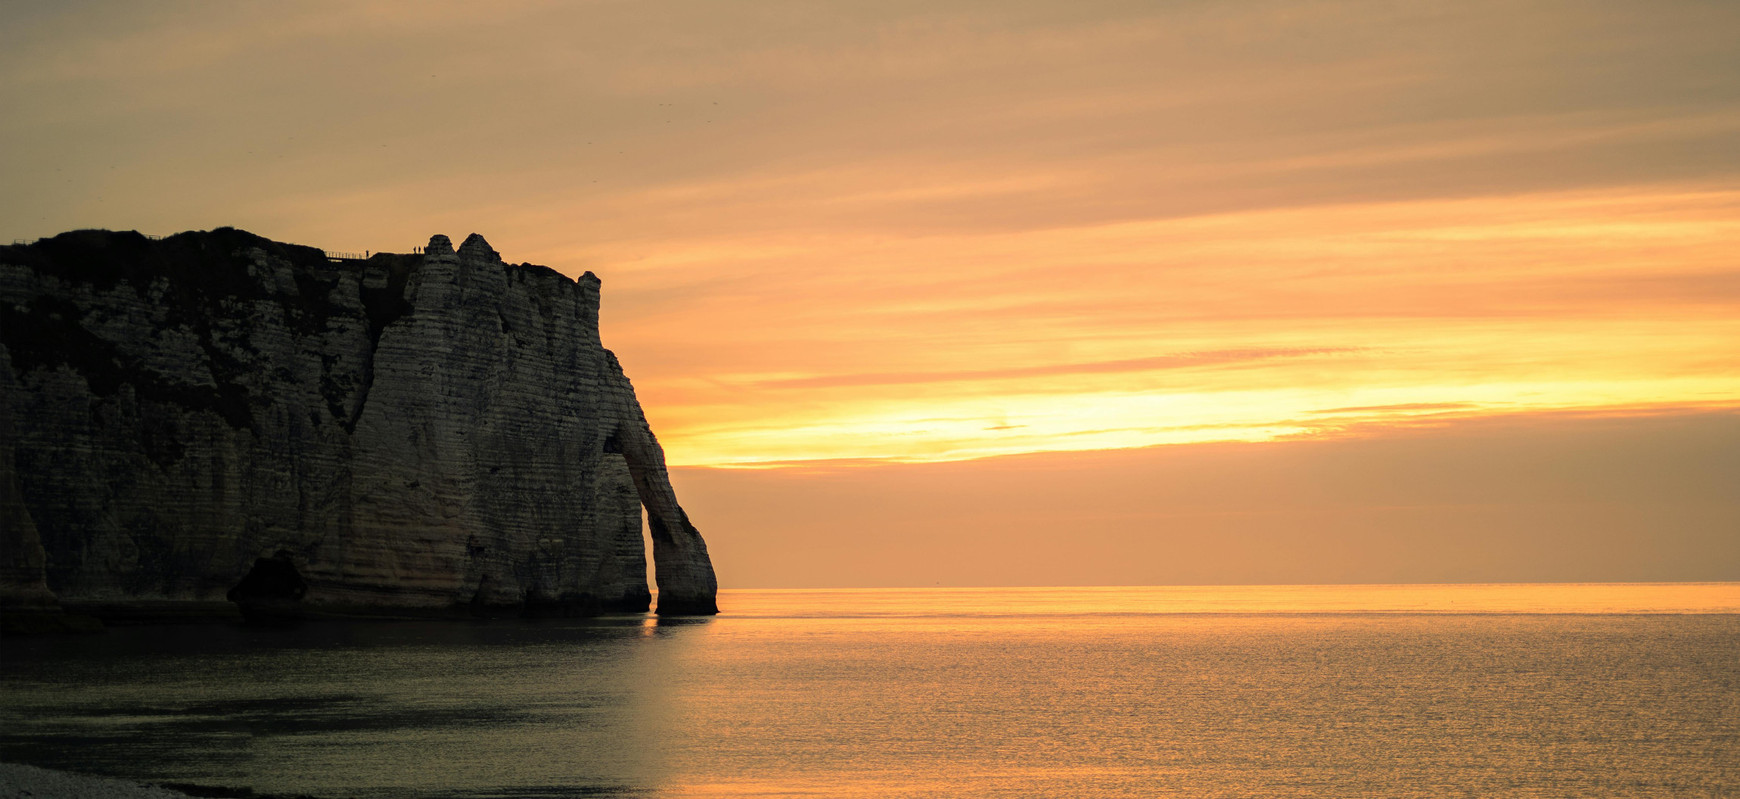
{"x": 962, "y": 229}
{"x": 1185, "y": 360}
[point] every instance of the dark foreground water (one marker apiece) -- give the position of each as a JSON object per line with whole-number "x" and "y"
{"x": 1549, "y": 691}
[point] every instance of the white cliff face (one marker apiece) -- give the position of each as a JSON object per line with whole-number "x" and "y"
{"x": 218, "y": 415}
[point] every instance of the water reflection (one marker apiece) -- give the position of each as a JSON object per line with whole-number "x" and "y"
{"x": 1383, "y": 691}
{"x": 434, "y": 709}
{"x": 1101, "y": 601}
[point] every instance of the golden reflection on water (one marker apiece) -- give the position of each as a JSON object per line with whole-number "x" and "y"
{"x": 1415, "y": 691}
{"x": 1584, "y": 598}
{"x": 1214, "y": 691}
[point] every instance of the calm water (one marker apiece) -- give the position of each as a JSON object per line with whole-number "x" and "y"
{"x": 1547, "y": 691}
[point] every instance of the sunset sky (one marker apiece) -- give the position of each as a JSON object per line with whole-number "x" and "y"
{"x": 1023, "y": 293}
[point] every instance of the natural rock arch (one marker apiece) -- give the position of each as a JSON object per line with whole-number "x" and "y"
{"x": 410, "y": 434}
{"x": 681, "y": 567}
{"x": 271, "y": 592}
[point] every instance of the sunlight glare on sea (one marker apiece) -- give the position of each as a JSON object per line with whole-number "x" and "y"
{"x": 1310, "y": 691}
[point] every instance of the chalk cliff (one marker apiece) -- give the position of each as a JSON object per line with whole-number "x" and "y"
{"x": 217, "y": 415}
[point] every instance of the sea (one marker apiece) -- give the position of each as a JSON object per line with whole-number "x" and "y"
{"x": 1594, "y": 690}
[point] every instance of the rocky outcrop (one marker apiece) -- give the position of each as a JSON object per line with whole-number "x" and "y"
{"x": 23, "y": 580}
{"x": 219, "y": 416}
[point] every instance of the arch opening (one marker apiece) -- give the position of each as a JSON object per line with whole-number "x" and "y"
{"x": 271, "y": 592}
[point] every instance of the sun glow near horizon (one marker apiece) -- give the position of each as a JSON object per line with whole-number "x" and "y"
{"x": 1247, "y": 326}
{"x": 958, "y": 230}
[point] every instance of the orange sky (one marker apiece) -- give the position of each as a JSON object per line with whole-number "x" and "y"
{"x": 921, "y": 232}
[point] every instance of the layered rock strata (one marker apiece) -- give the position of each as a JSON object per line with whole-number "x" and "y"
{"x": 216, "y": 416}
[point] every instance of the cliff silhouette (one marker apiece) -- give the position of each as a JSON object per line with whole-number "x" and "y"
{"x": 217, "y": 417}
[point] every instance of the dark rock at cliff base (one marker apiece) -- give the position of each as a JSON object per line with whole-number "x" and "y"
{"x": 216, "y": 415}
